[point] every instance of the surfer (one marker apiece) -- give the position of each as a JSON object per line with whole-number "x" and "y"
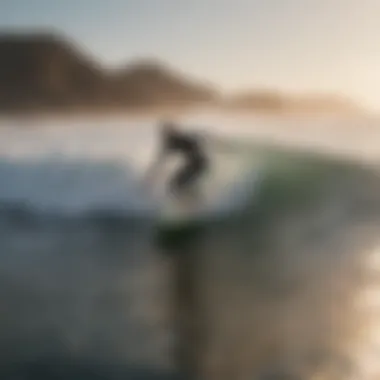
{"x": 190, "y": 147}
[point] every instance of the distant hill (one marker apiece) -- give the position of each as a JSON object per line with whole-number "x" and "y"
{"x": 276, "y": 102}
{"x": 45, "y": 72}
{"x": 148, "y": 83}
{"x": 322, "y": 103}
{"x": 42, "y": 71}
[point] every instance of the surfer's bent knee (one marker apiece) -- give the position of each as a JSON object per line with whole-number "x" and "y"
{"x": 188, "y": 175}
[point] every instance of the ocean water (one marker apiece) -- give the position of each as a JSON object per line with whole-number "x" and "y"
{"x": 286, "y": 287}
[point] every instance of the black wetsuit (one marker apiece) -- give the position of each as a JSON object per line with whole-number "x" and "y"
{"x": 196, "y": 160}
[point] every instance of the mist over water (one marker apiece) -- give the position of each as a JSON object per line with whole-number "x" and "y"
{"x": 290, "y": 289}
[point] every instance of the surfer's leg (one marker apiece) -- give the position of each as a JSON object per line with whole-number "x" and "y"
{"x": 183, "y": 186}
{"x": 185, "y": 180}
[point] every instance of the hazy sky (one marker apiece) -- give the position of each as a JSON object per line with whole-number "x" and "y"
{"x": 293, "y": 45}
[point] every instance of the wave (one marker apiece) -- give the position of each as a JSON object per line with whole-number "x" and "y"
{"x": 67, "y": 186}
{"x": 281, "y": 276}
{"x": 71, "y": 187}
{"x": 293, "y": 258}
